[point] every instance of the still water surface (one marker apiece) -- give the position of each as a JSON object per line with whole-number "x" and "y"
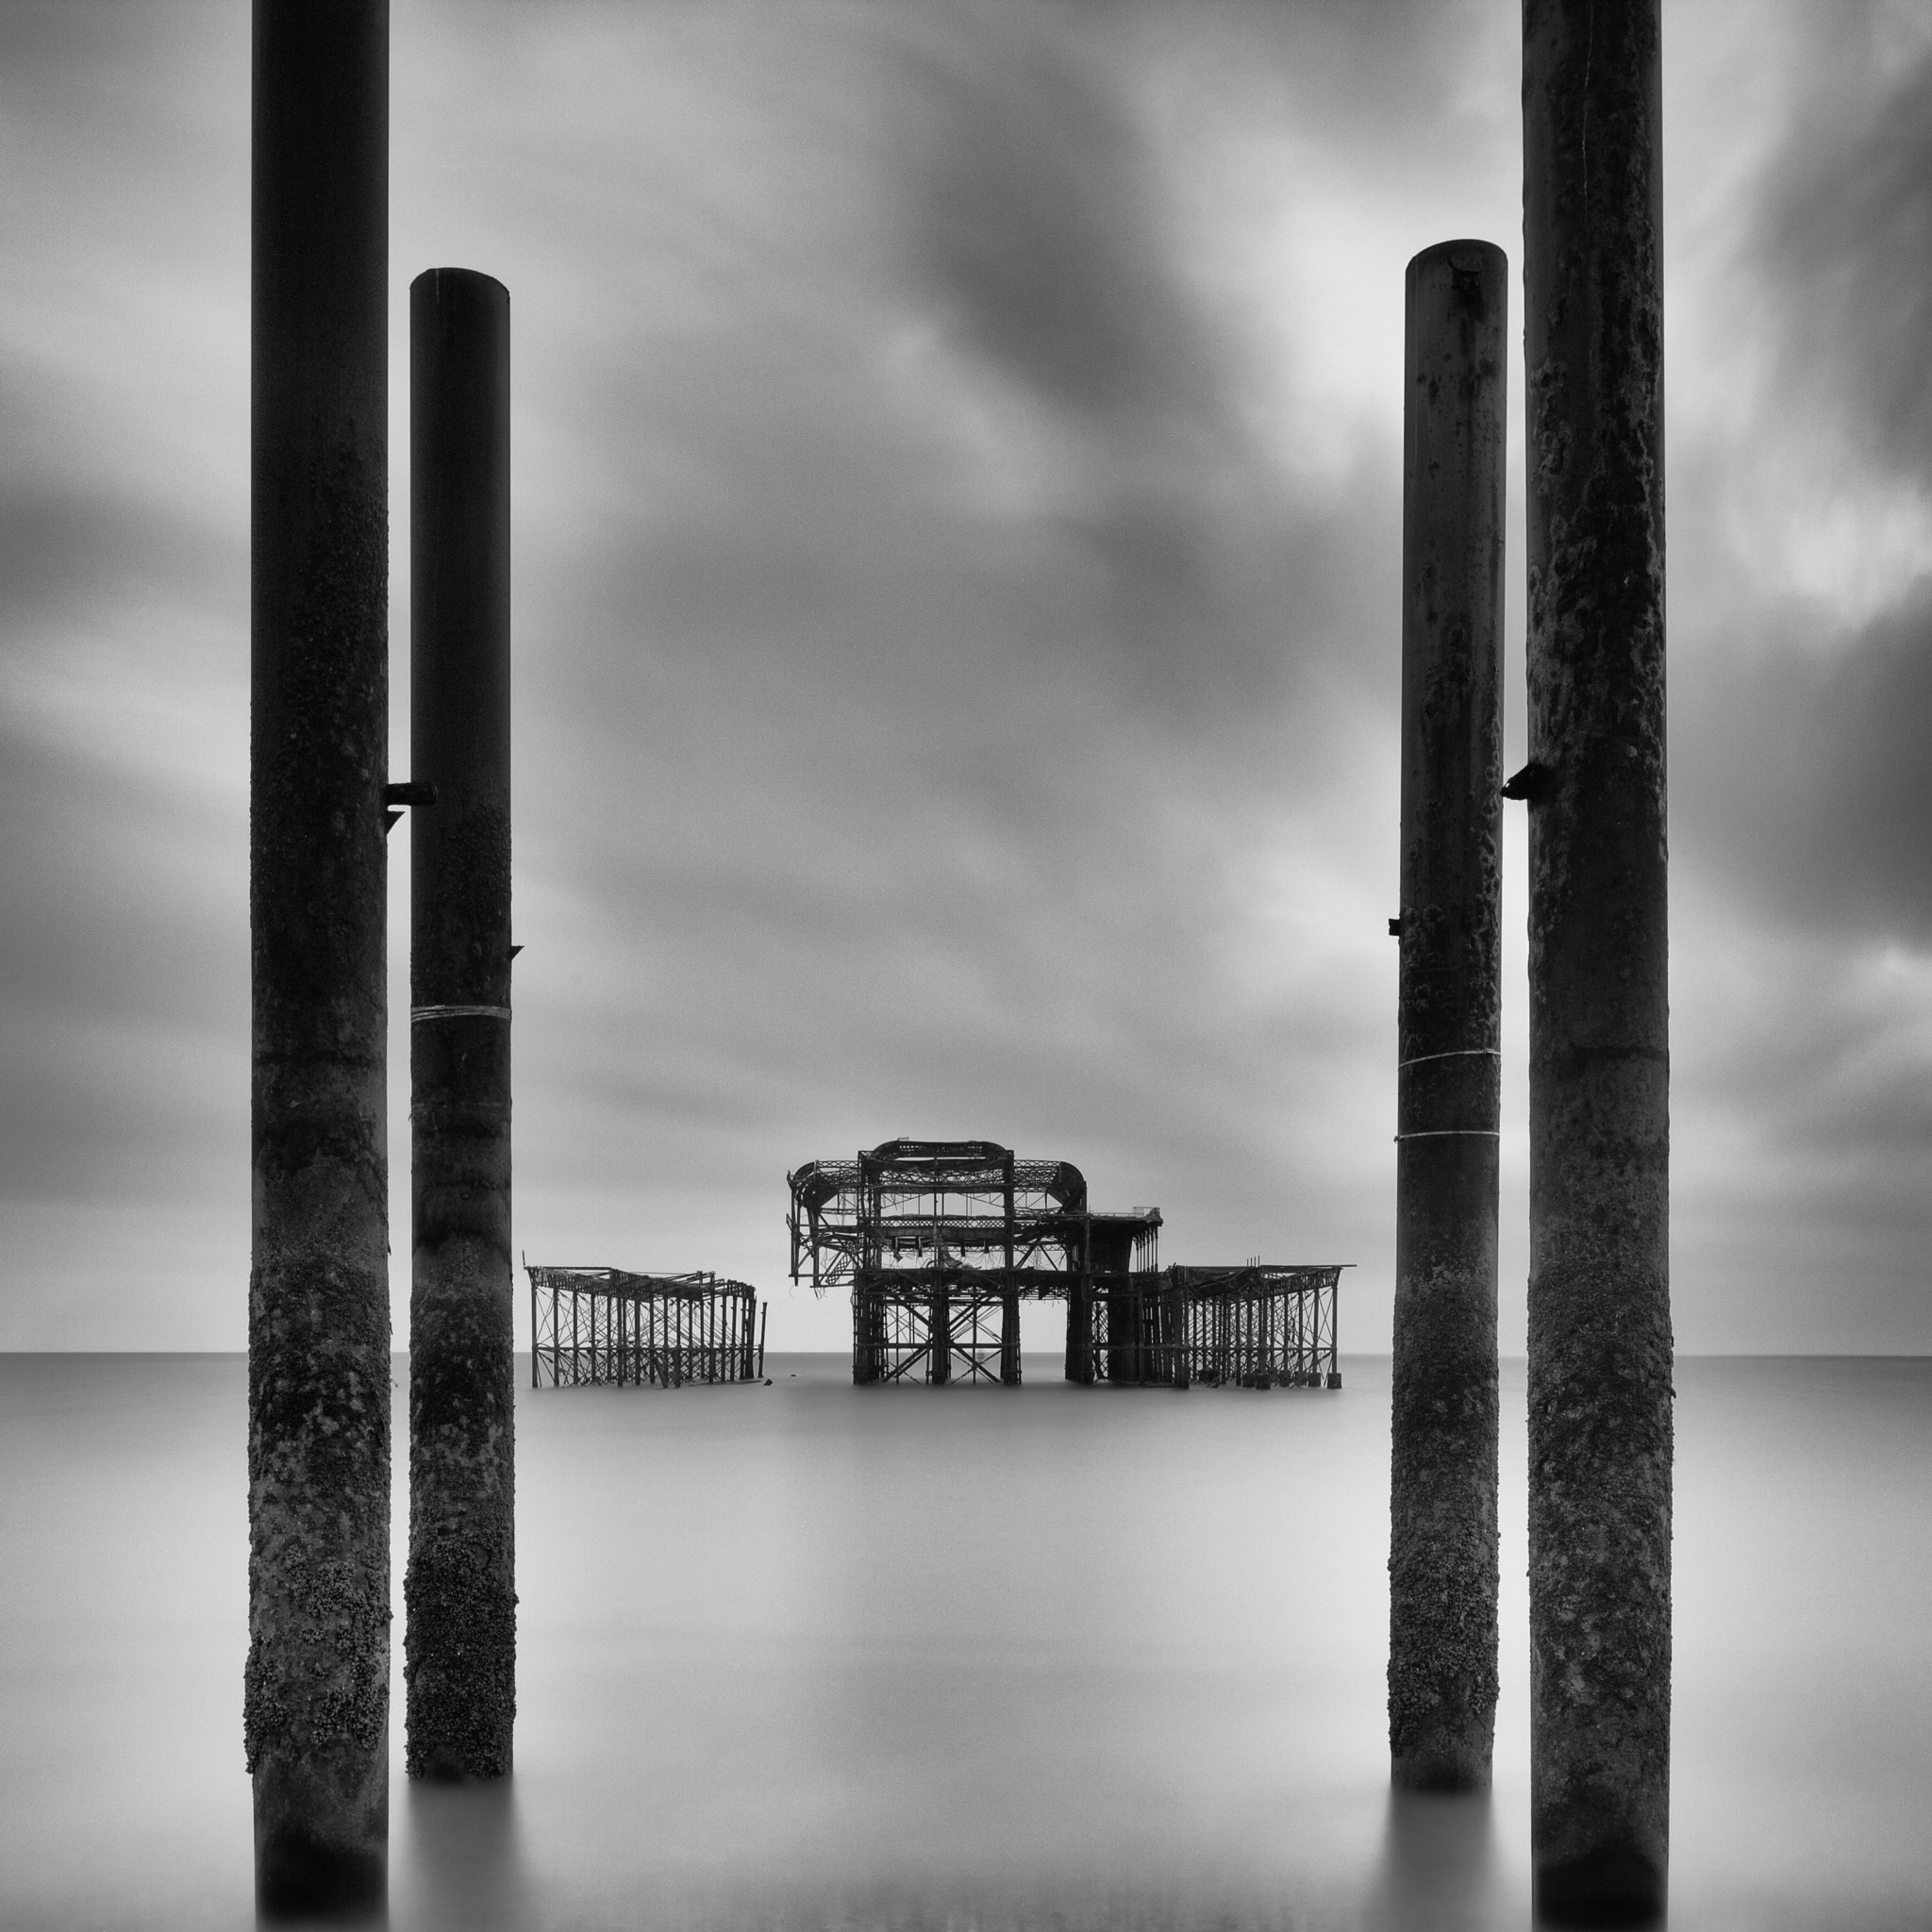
{"x": 809, "y": 1657}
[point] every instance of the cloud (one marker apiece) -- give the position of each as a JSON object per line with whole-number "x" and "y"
{"x": 1805, "y": 782}
{"x": 1847, "y": 237}
{"x": 956, "y": 503}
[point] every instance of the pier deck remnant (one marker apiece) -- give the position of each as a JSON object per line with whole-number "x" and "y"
{"x": 1442, "y": 1552}
{"x": 1259, "y": 1326}
{"x": 315, "y": 1703}
{"x": 595, "y": 1326}
{"x": 1600, "y": 1431}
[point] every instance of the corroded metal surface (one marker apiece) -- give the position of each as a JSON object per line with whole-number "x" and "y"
{"x": 316, "y": 1692}
{"x": 1442, "y": 1558}
{"x": 459, "y": 1588}
{"x": 1600, "y": 1435}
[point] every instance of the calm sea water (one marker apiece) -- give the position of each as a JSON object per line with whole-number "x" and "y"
{"x": 810, "y": 1657}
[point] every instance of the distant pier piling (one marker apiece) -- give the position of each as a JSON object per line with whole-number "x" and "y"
{"x": 316, "y": 1690}
{"x": 459, "y": 1588}
{"x": 1442, "y": 1560}
{"x": 1600, "y": 1436}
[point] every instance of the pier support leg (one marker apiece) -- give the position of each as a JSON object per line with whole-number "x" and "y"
{"x": 1009, "y": 1340}
{"x": 1079, "y": 1331}
{"x": 1442, "y": 1559}
{"x": 459, "y": 1588}
{"x": 315, "y": 1706}
{"x": 864, "y": 1353}
{"x": 940, "y": 1358}
{"x": 1600, "y": 1435}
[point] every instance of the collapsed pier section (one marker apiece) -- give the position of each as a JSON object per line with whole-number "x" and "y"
{"x": 592, "y": 1327}
{"x": 1260, "y": 1325}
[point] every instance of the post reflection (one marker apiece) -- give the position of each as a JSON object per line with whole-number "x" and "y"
{"x": 1439, "y": 1871}
{"x": 457, "y": 1862}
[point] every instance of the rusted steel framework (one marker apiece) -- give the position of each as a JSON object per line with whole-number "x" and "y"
{"x": 1260, "y": 1325}
{"x": 1137, "y": 1332}
{"x": 602, "y": 1325}
{"x": 933, "y": 1238}
{"x": 927, "y": 1325}
{"x": 939, "y": 1241}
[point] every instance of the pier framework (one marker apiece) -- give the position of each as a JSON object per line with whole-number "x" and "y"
{"x": 1260, "y": 1325}
{"x": 939, "y": 1242}
{"x": 602, "y": 1325}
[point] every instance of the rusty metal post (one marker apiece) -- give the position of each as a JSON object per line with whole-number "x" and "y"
{"x": 1010, "y": 1300}
{"x": 315, "y": 1706}
{"x": 459, "y": 1588}
{"x": 1442, "y": 1558}
{"x": 940, "y": 1320}
{"x": 1600, "y": 1436}
{"x": 1079, "y": 1328}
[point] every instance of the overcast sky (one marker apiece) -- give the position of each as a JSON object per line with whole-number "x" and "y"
{"x": 957, "y": 512}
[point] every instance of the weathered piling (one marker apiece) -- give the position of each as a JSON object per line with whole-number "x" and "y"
{"x": 1599, "y": 1290}
{"x": 459, "y": 1588}
{"x": 1442, "y": 1558}
{"x": 316, "y": 1692}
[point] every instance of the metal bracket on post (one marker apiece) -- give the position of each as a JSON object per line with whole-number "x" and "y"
{"x": 405, "y": 792}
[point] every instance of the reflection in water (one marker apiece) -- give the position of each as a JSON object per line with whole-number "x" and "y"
{"x": 806, "y": 1658}
{"x": 1438, "y": 1872}
{"x": 456, "y": 1861}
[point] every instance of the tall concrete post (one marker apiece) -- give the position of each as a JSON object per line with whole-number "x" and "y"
{"x": 459, "y": 1588}
{"x": 315, "y": 1706}
{"x": 1599, "y": 1070}
{"x": 1442, "y": 1559}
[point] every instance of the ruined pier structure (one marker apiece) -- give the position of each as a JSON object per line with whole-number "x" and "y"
{"x": 939, "y": 1242}
{"x": 595, "y": 1326}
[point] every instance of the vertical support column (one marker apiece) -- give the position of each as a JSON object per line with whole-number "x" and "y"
{"x": 1600, "y": 1435}
{"x": 461, "y": 1585}
{"x": 1079, "y": 1329}
{"x": 939, "y": 1361}
{"x": 1009, "y": 1338}
{"x": 1010, "y": 1300}
{"x": 315, "y": 1707}
{"x": 1442, "y": 1557}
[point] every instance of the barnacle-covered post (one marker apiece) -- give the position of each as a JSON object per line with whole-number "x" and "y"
{"x": 459, "y": 1590}
{"x": 315, "y": 1707}
{"x": 1600, "y": 1438}
{"x": 1442, "y": 1558}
